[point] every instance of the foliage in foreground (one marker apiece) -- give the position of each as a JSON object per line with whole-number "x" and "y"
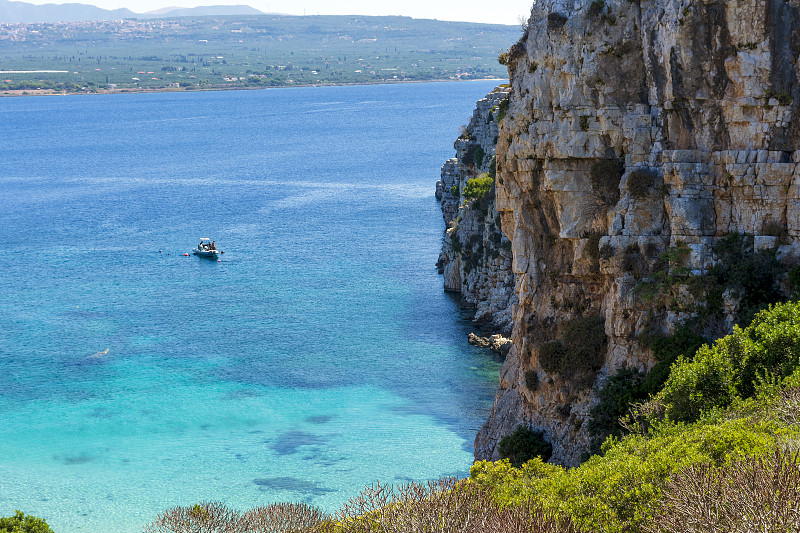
{"x": 21, "y": 523}
{"x": 717, "y": 412}
{"x": 769, "y": 348}
{"x": 619, "y": 491}
{"x": 753, "y": 278}
{"x": 754, "y": 494}
{"x": 447, "y": 505}
{"x": 215, "y": 517}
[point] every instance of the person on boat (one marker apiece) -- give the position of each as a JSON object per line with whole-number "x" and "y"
{"x": 213, "y": 245}
{"x": 200, "y": 246}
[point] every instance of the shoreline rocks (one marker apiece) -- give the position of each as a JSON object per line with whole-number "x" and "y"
{"x": 496, "y": 343}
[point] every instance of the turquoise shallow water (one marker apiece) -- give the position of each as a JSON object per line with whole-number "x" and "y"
{"x": 319, "y": 355}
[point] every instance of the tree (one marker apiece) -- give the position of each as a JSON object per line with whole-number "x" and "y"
{"x": 19, "y": 523}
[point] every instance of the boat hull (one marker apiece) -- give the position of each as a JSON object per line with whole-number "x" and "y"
{"x": 211, "y": 254}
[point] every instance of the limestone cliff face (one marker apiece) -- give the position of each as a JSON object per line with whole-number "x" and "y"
{"x": 632, "y": 127}
{"x": 476, "y": 255}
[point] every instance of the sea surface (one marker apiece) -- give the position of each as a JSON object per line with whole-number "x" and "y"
{"x": 319, "y": 355}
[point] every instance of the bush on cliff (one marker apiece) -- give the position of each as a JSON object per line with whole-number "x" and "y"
{"x": 523, "y": 445}
{"x": 478, "y": 188}
{"x": 581, "y": 351}
{"x": 605, "y": 175}
{"x": 733, "y": 369}
{"x": 641, "y": 182}
{"x": 552, "y": 356}
{"x": 752, "y": 276}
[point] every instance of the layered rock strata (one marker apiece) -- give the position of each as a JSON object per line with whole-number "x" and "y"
{"x": 632, "y": 128}
{"x": 476, "y": 255}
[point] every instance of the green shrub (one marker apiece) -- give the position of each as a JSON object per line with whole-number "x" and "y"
{"x": 614, "y": 401}
{"x": 502, "y": 110}
{"x": 584, "y": 123}
{"x": 20, "y": 523}
{"x": 585, "y": 340}
{"x": 732, "y": 368}
{"x": 666, "y": 350}
{"x": 523, "y": 445}
{"x": 605, "y": 175}
{"x": 641, "y": 182}
{"x": 503, "y": 58}
{"x": 629, "y": 386}
{"x": 477, "y": 188}
{"x": 582, "y": 351}
{"x": 531, "y": 380}
{"x": 620, "y": 491}
{"x": 552, "y": 356}
{"x": 752, "y": 276}
{"x": 596, "y": 7}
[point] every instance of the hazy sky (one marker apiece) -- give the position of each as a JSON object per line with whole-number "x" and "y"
{"x": 502, "y": 12}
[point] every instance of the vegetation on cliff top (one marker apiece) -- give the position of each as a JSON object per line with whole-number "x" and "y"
{"x": 731, "y": 411}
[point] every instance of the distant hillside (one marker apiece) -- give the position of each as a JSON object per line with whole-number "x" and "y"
{"x": 202, "y": 11}
{"x": 11, "y": 11}
{"x": 245, "y": 51}
{"x": 24, "y": 12}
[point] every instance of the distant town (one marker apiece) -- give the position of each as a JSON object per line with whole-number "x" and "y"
{"x": 220, "y": 52}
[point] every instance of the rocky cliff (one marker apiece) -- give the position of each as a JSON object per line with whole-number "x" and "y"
{"x": 647, "y": 148}
{"x": 476, "y": 255}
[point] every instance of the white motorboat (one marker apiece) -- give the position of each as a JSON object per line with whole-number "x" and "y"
{"x": 207, "y": 248}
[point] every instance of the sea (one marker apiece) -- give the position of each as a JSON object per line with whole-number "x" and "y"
{"x": 318, "y": 355}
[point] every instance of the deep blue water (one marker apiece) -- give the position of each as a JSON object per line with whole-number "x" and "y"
{"x": 319, "y": 355}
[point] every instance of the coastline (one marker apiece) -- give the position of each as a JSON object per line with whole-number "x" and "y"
{"x": 139, "y": 90}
